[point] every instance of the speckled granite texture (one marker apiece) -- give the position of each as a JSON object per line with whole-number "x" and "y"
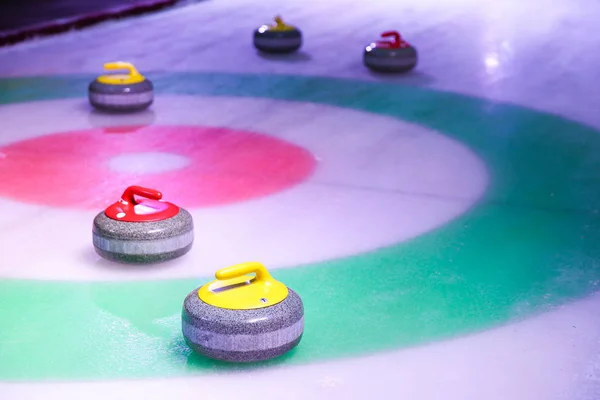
{"x": 154, "y": 258}
{"x": 390, "y": 60}
{"x": 244, "y": 356}
{"x": 278, "y": 41}
{"x": 143, "y": 242}
{"x": 242, "y": 335}
{"x": 134, "y": 97}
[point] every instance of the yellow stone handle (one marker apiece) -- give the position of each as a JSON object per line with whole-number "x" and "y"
{"x": 239, "y": 270}
{"x": 121, "y": 65}
{"x": 234, "y": 289}
{"x": 132, "y": 76}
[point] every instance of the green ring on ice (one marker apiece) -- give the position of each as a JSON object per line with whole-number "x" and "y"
{"x": 530, "y": 244}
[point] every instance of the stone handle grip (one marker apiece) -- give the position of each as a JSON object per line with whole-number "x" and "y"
{"x": 121, "y": 65}
{"x": 395, "y": 43}
{"x": 239, "y": 270}
{"x": 132, "y": 191}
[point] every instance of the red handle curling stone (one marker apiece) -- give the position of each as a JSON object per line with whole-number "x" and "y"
{"x": 147, "y": 208}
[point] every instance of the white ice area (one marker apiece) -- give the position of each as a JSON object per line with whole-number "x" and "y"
{"x": 378, "y": 181}
{"x": 539, "y": 53}
{"x": 542, "y": 358}
{"x": 148, "y": 162}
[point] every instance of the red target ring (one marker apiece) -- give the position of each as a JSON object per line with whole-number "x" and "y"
{"x": 72, "y": 169}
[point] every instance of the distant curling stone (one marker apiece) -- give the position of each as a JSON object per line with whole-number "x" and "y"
{"x": 278, "y": 38}
{"x": 146, "y": 230}
{"x": 121, "y": 92}
{"x": 241, "y": 318}
{"x": 394, "y": 56}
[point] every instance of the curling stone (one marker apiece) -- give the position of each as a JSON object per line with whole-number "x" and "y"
{"x": 243, "y": 318}
{"x": 121, "y": 92}
{"x": 390, "y": 56}
{"x": 142, "y": 230}
{"x": 278, "y": 38}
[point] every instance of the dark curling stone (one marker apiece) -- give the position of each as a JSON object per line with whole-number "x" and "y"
{"x": 144, "y": 230}
{"x": 241, "y": 318}
{"x": 278, "y": 38}
{"x": 121, "y": 92}
{"x": 394, "y": 56}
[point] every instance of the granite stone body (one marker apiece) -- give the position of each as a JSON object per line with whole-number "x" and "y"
{"x": 121, "y": 98}
{"x": 243, "y": 335}
{"x": 383, "y": 59}
{"x": 143, "y": 242}
{"x": 271, "y": 41}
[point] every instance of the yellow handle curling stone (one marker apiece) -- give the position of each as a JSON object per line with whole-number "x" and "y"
{"x": 277, "y": 38}
{"x": 125, "y": 92}
{"x": 241, "y": 317}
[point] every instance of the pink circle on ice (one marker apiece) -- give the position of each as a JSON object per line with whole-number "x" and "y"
{"x": 77, "y": 169}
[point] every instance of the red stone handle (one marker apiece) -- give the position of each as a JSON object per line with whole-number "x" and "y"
{"x": 396, "y": 41}
{"x": 132, "y": 191}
